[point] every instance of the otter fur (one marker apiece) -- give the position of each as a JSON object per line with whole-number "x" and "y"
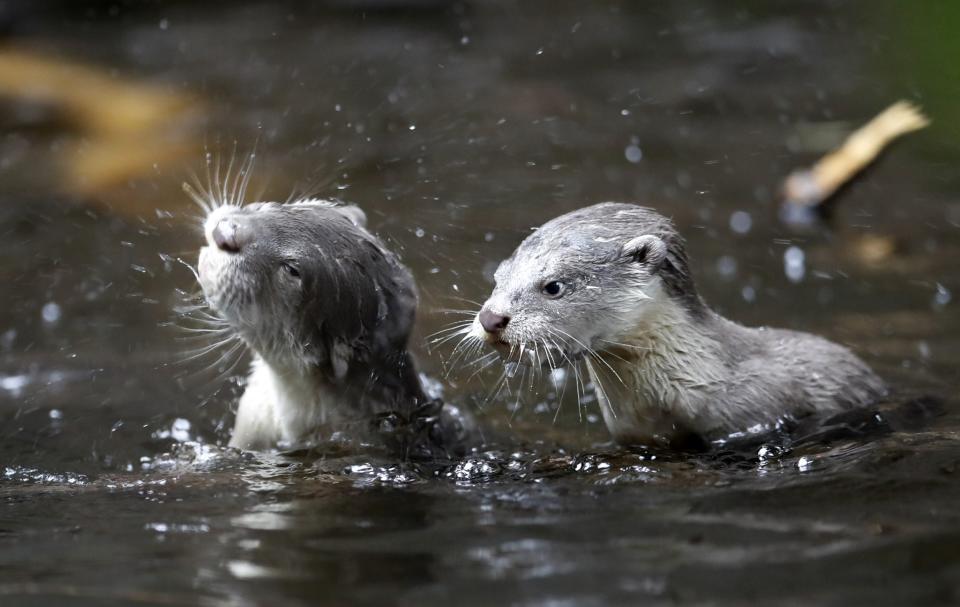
{"x": 327, "y": 311}
{"x": 610, "y": 284}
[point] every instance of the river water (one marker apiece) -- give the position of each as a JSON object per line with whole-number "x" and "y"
{"x": 458, "y": 128}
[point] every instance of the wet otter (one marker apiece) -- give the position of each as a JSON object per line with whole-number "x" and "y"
{"x": 327, "y": 310}
{"x": 610, "y": 284}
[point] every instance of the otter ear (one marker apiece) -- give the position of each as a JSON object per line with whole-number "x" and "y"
{"x": 354, "y": 214}
{"x": 647, "y": 250}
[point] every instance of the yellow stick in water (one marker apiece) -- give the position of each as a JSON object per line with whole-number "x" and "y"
{"x": 125, "y": 127}
{"x": 810, "y": 187}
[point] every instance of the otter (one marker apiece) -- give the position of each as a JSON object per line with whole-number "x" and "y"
{"x": 610, "y": 284}
{"x": 327, "y": 311}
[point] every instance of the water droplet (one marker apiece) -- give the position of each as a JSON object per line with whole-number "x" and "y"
{"x": 794, "y": 264}
{"x": 420, "y": 233}
{"x": 14, "y": 384}
{"x": 7, "y": 339}
{"x": 50, "y": 312}
{"x": 769, "y": 452}
{"x": 179, "y": 431}
{"x": 741, "y": 222}
{"x": 558, "y": 377}
{"x": 942, "y": 296}
{"x": 633, "y": 153}
{"x": 727, "y": 266}
{"x": 164, "y": 24}
{"x": 180, "y": 427}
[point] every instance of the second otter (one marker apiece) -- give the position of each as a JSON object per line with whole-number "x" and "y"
{"x": 610, "y": 284}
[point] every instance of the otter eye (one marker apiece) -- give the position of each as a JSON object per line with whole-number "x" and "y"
{"x": 554, "y": 288}
{"x": 290, "y": 269}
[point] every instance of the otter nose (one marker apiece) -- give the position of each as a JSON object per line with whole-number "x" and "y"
{"x": 227, "y": 235}
{"x": 492, "y": 322}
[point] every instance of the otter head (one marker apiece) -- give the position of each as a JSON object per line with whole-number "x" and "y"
{"x": 585, "y": 281}
{"x": 305, "y": 285}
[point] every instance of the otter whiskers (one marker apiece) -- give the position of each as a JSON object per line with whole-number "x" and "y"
{"x": 217, "y": 192}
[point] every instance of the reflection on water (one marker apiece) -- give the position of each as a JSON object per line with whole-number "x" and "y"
{"x": 457, "y": 127}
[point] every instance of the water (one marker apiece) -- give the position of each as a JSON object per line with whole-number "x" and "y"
{"x": 457, "y": 128}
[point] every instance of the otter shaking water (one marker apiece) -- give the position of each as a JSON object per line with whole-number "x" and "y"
{"x": 610, "y": 284}
{"x": 327, "y": 311}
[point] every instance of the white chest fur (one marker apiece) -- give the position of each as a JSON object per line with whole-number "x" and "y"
{"x": 281, "y": 406}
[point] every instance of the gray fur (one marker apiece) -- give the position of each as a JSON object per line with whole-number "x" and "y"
{"x": 331, "y": 344}
{"x": 663, "y": 362}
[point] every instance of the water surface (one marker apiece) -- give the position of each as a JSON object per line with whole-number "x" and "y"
{"x": 458, "y": 127}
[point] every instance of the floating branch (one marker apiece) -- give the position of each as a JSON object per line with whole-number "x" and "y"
{"x": 808, "y": 189}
